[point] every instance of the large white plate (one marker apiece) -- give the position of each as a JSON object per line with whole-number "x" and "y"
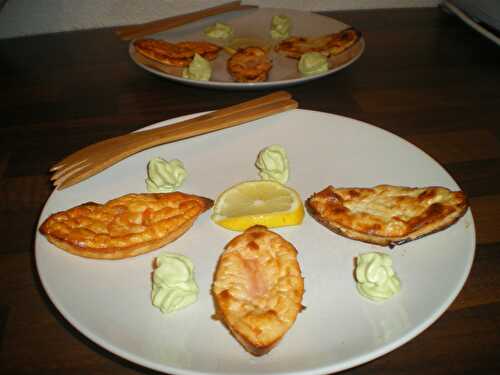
{"x": 109, "y": 301}
{"x": 255, "y": 24}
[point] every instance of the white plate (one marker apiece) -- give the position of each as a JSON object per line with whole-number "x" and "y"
{"x": 109, "y": 301}
{"x": 255, "y": 24}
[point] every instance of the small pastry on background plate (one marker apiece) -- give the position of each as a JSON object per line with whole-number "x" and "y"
{"x": 387, "y": 215}
{"x": 258, "y": 288}
{"x": 206, "y": 50}
{"x": 124, "y": 227}
{"x": 175, "y": 54}
{"x": 164, "y": 52}
{"x": 328, "y": 45}
{"x": 250, "y": 64}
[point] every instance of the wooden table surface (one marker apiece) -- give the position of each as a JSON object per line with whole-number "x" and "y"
{"x": 424, "y": 76}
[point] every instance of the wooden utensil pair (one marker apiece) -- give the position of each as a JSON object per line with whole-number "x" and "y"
{"x": 139, "y": 31}
{"x": 95, "y": 158}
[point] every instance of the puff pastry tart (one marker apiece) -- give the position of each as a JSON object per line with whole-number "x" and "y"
{"x": 127, "y": 226}
{"x": 387, "y": 215}
{"x": 328, "y": 45}
{"x": 258, "y": 288}
{"x": 251, "y": 64}
{"x": 175, "y": 54}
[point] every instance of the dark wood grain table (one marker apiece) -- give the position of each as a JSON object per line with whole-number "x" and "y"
{"x": 424, "y": 76}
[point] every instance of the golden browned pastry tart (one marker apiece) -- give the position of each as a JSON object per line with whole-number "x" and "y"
{"x": 250, "y": 64}
{"x": 206, "y": 50}
{"x": 127, "y": 226}
{"x": 331, "y": 44}
{"x": 387, "y": 215}
{"x": 164, "y": 52}
{"x": 258, "y": 288}
{"x": 178, "y": 54}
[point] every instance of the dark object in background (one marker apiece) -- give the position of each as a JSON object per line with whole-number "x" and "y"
{"x": 481, "y": 15}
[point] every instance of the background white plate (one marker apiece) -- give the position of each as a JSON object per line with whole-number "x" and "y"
{"x": 109, "y": 301}
{"x": 255, "y": 24}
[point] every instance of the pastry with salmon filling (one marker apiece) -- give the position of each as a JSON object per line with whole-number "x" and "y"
{"x": 258, "y": 288}
{"x": 164, "y": 52}
{"x": 179, "y": 54}
{"x": 127, "y": 226}
{"x": 387, "y": 215}
{"x": 328, "y": 45}
{"x": 251, "y": 64}
{"x": 206, "y": 50}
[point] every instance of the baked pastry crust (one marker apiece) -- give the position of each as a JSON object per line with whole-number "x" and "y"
{"x": 175, "y": 54}
{"x": 250, "y": 64}
{"x": 206, "y": 50}
{"x": 328, "y": 45}
{"x": 164, "y": 52}
{"x": 124, "y": 227}
{"x": 258, "y": 288}
{"x": 387, "y": 215}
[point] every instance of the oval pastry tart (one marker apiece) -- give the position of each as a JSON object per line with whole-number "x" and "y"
{"x": 258, "y": 288}
{"x": 127, "y": 226}
{"x": 250, "y": 64}
{"x": 328, "y": 45}
{"x": 387, "y": 215}
{"x": 175, "y": 54}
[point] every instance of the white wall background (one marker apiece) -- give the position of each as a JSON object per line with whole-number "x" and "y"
{"x": 29, "y": 17}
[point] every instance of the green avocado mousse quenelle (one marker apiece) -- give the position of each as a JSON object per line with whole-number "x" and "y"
{"x": 272, "y": 163}
{"x": 280, "y": 27}
{"x": 199, "y": 69}
{"x": 375, "y": 278}
{"x": 312, "y": 63}
{"x": 219, "y": 30}
{"x": 165, "y": 176}
{"x": 174, "y": 286}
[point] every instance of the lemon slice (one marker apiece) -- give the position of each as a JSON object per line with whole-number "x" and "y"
{"x": 265, "y": 202}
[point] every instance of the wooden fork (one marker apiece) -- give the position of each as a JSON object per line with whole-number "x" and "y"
{"x": 138, "y": 31}
{"x": 93, "y": 159}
